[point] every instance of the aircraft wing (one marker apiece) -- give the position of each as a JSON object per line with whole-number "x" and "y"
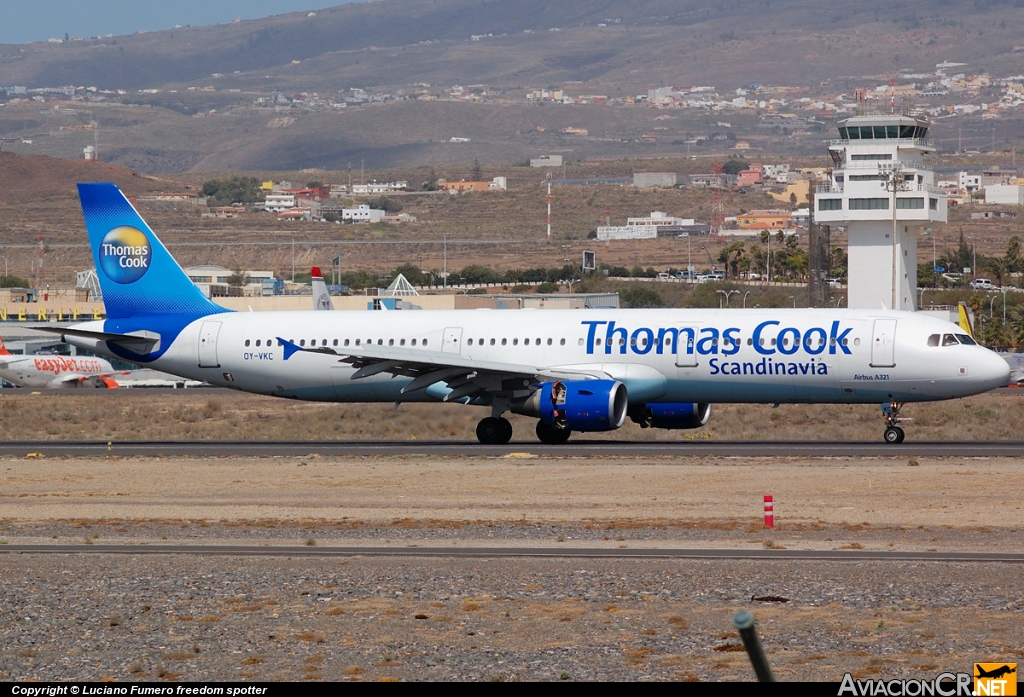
{"x": 465, "y": 377}
{"x": 106, "y": 380}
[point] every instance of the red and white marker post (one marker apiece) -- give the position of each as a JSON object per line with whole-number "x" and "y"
{"x": 769, "y": 511}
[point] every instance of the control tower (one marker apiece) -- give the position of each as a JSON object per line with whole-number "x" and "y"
{"x": 882, "y": 193}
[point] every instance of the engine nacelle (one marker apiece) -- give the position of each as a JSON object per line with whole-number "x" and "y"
{"x": 584, "y": 405}
{"x": 671, "y": 416}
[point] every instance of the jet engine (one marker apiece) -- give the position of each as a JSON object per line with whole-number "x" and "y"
{"x": 672, "y": 416}
{"x": 585, "y": 405}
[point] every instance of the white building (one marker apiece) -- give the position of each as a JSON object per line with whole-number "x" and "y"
{"x": 1005, "y": 194}
{"x": 882, "y": 192}
{"x": 643, "y": 228}
{"x": 214, "y": 281}
{"x": 362, "y": 214}
{"x": 278, "y": 203}
{"x": 547, "y": 161}
{"x": 970, "y": 182}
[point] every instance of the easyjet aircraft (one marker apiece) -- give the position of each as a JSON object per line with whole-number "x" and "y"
{"x": 56, "y": 371}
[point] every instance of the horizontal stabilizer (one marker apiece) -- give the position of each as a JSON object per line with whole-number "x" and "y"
{"x": 141, "y": 342}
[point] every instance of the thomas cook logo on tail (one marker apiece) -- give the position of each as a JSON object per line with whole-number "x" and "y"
{"x": 125, "y": 253}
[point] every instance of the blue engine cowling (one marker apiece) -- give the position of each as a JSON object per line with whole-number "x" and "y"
{"x": 672, "y": 416}
{"x": 586, "y": 405}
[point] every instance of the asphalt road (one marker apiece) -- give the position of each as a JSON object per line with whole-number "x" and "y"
{"x": 575, "y": 448}
{"x": 507, "y": 552}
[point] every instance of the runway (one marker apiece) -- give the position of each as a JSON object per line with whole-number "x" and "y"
{"x": 579, "y": 448}
{"x": 520, "y": 552}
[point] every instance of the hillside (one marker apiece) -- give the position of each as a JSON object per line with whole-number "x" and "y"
{"x": 33, "y": 179}
{"x": 642, "y": 43}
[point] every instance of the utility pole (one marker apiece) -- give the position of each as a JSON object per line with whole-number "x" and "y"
{"x": 549, "y": 205}
{"x": 444, "y": 276}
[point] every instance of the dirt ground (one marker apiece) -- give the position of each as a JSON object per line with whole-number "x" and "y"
{"x": 205, "y": 414}
{"x": 190, "y": 617}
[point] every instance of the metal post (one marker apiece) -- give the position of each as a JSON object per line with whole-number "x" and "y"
{"x": 744, "y": 623}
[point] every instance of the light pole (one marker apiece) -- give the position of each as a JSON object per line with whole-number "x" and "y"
{"x": 444, "y": 272}
{"x": 727, "y": 294}
{"x": 745, "y": 299}
{"x": 894, "y": 181}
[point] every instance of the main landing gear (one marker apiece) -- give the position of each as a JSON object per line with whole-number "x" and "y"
{"x": 893, "y": 433}
{"x": 494, "y": 430}
{"x": 552, "y": 435}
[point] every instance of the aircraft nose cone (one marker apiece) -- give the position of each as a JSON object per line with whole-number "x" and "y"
{"x": 995, "y": 370}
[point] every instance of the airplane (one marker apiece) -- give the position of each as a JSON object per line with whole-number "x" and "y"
{"x": 56, "y": 371}
{"x": 573, "y": 370}
{"x": 321, "y": 299}
{"x": 995, "y": 672}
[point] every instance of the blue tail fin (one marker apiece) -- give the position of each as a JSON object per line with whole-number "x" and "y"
{"x": 137, "y": 274}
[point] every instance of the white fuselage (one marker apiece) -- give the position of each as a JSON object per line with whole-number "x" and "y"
{"x": 54, "y": 371}
{"x": 731, "y": 355}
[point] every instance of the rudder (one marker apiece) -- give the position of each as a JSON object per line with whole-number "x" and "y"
{"x": 137, "y": 275}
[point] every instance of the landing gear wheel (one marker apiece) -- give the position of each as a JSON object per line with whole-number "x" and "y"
{"x": 494, "y": 431}
{"x": 506, "y": 430}
{"x": 894, "y": 435}
{"x": 551, "y": 435}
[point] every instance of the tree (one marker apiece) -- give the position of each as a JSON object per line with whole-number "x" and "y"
{"x": 998, "y": 267}
{"x": 14, "y": 282}
{"x": 220, "y": 192}
{"x": 412, "y": 273}
{"x": 638, "y": 296}
{"x": 431, "y": 183}
{"x": 386, "y": 204}
{"x": 1013, "y": 261}
{"x": 476, "y": 174}
{"x": 238, "y": 278}
{"x": 734, "y": 167}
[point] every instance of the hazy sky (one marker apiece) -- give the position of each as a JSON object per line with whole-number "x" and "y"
{"x": 22, "y": 22}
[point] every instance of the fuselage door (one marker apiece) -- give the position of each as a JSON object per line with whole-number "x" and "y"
{"x": 452, "y": 340}
{"x": 883, "y": 344}
{"x": 208, "y": 345}
{"x": 686, "y": 347}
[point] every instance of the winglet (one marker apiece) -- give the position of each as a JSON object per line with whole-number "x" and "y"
{"x": 289, "y": 348}
{"x": 3, "y": 349}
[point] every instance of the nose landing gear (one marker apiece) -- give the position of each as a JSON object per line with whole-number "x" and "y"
{"x": 893, "y": 433}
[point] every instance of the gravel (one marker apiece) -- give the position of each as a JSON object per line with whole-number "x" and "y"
{"x": 65, "y": 617}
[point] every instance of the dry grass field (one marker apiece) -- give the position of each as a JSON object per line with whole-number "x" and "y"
{"x": 216, "y": 415}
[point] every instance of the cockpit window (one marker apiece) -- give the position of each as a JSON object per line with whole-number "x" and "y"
{"x": 933, "y": 340}
{"x": 965, "y": 339}
{"x": 949, "y": 340}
